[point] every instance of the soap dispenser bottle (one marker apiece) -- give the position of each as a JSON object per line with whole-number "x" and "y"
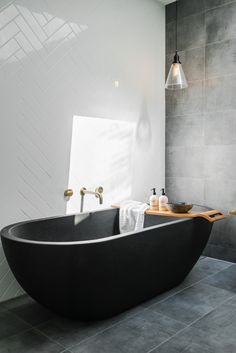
{"x": 154, "y": 202}
{"x": 163, "y": 200}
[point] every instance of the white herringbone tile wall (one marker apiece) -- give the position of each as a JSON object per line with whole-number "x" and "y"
{"x": 60, "y": 58}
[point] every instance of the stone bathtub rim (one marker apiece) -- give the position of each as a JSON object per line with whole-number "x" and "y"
{"x": 6, "y": 231}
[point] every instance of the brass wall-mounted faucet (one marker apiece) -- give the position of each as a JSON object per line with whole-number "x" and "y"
{"x": 97, "y": 193}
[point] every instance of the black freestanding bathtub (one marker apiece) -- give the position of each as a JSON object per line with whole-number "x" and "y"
{"x": 81, "y": 267}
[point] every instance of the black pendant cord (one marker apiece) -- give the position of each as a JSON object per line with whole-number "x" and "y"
{"x": 176, "y": 56}
{"x": 176, "y": 27}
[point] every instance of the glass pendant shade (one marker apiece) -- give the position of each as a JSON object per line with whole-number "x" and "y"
{"x": 176, "y": 78}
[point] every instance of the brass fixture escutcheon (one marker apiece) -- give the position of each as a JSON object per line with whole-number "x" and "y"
{"x": 68, "y": 193}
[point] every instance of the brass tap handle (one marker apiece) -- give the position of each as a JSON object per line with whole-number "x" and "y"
{"x": 82, "y": 191}
{"x": 99, "y": 190}
{"x": 68, "y": 193}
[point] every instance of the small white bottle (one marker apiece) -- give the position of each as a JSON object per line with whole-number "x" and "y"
{"x": 154, "y": 202}
{"x": 163, "y": 200}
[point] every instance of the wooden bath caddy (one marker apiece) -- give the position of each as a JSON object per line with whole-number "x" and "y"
{"x": 210, "y": 215}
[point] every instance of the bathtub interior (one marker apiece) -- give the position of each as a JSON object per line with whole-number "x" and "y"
{"x": 85, "y": 226}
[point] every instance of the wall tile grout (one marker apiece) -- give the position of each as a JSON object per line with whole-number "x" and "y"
{"x": 209, "y": 97}
{"x": 203, "y": 11}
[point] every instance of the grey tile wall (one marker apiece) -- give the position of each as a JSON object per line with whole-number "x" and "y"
{"x": 201, "y": 121}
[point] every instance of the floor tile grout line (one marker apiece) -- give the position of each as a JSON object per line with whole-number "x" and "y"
{"x": 142, "y": 309}
{"x": 176, "y": 334}
{"x": 117, "y": 323}
{"x": 37, "y": 327}
{"x": 189, "y": 324}
{"x": 107, "y": 328}
{"x": 191, "y": 285}
{"x": 16, "y": 334}
{"x": 219, "y": 260}
{"x": 145, "y": 309}
{"x": 17, "y": 317}
{"x": 51, "y": 339}
{"x": 95, "y": 334}
{"x": 30, "y": 328}
{"x": 192, "y": 323}
{"x": 168, "y": 339}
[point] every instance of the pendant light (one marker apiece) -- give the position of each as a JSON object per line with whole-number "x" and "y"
{"x": 176, "y": 77}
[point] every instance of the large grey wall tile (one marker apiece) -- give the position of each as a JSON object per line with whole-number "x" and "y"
{"x": 215, "y": 237}
{"x": 223, "y": 233}
{"x": 220, "y": 94}
{"x": 214, "y": 251}
{"x": 191, "y": 32}
{"x": 221, "y": 23}
{"x": 228, "y": 226}
{"x": 192, "y": 61}
{"x": 186, "y": 101}
{"x": 207, "y": 38}
{"x": 221, "y": 58}
{"x": 220, "y": 252}
{"x": 170, "y": 37}
{"x": 220, "y": 128}
{"x": 209, "y": 4}
{"x": 220, "y": 193}
{"x": 170, "y": 12}
{"x": 185, "y": 131}
{"x": 219, "y": 238}
{"x": 184, "y": 162}
{"x": 187, "y": 8}
{"x": 220, "y": 162}
{"x": 185, "y": 189}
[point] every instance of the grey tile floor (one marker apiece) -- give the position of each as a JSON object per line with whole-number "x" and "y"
{"x": 197, "y": 316}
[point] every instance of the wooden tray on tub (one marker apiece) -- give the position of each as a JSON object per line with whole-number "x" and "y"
{"x": 210, "y": 215}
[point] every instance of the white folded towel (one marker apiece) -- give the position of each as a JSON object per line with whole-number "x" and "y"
{"x": 131, "y": 215}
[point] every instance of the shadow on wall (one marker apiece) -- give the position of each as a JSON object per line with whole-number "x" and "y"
{"x": 58, "y": 59}
{"x": 144, "y": 129}
{"x": 101, "y": 154}
{"x": 34, "y": 60}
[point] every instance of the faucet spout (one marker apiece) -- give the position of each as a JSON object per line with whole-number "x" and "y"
{"x": 97, "y": 193}
{"x": 100, "y": 198}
